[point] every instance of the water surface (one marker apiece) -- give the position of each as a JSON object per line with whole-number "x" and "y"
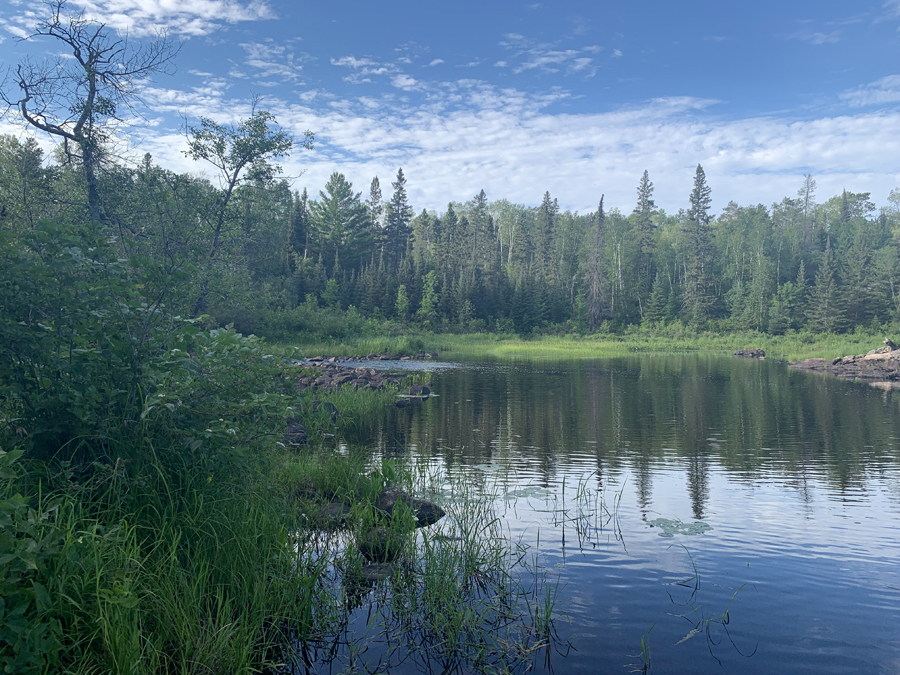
{"x": 665, "y": 490}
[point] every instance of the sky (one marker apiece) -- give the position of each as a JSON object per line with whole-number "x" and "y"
{"x": 573, "y": 97}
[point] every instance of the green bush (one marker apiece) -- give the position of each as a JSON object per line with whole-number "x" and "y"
{"x": 30, "y": 640}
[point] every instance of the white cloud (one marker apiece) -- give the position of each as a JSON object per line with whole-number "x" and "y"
{"x": 546, "y": 58}
{"x": 468, "y": 135}
{"x": 195, "y": 18}
{"x": 817, "y": 37}
{"x": 364, "y": 68}
{"x": 141, "y": 18}
{"x": 272, "y": 60}
{"x": 617, "y": 53}
{"x": 885, "y": 90}
{"x": 436, "y": 62}
{"x": 405, "y": 82}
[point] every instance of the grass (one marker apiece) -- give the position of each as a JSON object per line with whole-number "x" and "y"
{"x": 144, "y": 570}
{"x": 790, "y": 347}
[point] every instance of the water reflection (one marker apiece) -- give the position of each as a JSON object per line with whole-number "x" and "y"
{"x": 798, "y": 477}
{"x": 748, "y": 418}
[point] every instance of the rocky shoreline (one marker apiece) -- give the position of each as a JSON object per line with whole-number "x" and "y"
{"x": 879, "y": 368}
{"x": 330, "y": 373}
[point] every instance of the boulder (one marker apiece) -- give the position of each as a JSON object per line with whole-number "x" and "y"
{"x": 750, "y": 353}
{"x": 295, "y": 432}
{"x": 382, "y": 544}
{"x": 426, "y": 513}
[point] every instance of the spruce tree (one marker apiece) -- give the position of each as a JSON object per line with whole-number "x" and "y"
{"x": 397, "y": 229}
{"x": 298, "y": 229}
{"x": 825, "y": 315}
{"x": 597, "y": 305}
{"x": 698, "y": 283}
{"x": 375, "y": 209}
{"x": 643, "y": 230}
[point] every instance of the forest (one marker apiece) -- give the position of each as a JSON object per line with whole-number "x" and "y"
{"x": 257, "y": 253}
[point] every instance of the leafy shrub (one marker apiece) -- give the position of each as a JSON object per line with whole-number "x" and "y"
{"x": 30, "y": 641}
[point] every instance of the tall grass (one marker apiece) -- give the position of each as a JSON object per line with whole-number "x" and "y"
{"x": 792, "y": 346}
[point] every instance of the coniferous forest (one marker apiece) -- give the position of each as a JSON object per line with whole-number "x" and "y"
{"x": 255, "y": 252}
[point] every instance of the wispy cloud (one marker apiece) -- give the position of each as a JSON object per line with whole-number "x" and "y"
{"x": 543, "y": 57}
{"x": 884, "y": 90}
{"x": 363, "y": 70}
{"x": 466, "y": 135}
{"x": 436, "y": 62}
{"x": 817, "y": 37}
{"x": 268, "y": 59}
{"x": 195, "y": 18}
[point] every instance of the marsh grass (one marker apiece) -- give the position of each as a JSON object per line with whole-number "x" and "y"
{"x": 668, "y": 339}
{"x": 460, "y": 597}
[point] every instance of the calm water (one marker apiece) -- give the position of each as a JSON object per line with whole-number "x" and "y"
{"x": 797, "y": 477}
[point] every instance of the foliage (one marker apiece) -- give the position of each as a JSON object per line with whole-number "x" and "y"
{"x": 30, "y": 640}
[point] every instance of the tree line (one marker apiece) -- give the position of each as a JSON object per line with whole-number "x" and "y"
{"x": 255, "y": 253}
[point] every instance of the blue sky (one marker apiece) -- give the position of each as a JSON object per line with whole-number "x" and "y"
{"x": 577, "y": 98}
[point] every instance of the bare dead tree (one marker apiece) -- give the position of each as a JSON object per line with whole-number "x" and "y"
{"x": 78, "y": 99}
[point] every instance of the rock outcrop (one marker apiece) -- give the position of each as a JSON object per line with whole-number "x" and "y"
{"x": 327, "y": 376}
{"x": 879, "y": 367}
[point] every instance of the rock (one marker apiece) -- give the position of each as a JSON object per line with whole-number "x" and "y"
{"x": 882, "y": 367}
{"x": 426, "y": 513}
{"x": 382, "y": 544}
{"x": 419, "y": 390}
{"x": 750, "y": 353}
{"x": 375, "y": 571}
{"x": 331, "y": 516}
{"x": 295, "y": 433}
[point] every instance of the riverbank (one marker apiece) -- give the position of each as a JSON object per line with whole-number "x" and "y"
{"x": 790, "y": 347}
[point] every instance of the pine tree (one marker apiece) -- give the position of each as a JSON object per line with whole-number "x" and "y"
{"x": 643, "y": 230}
{"x": 397, "y": 229}
{"x": 698, "y": 283}
{"x": 597, "y": 304}
{"x": 339, "y": 220}
{"x": 375, "y": 209}
{"x": 824, "y": 313}
{"x": 542, "y": 236}
{"x": 298, "y": 229}
{"x": 656, "y": 307}
{"x": 402, "y": 304}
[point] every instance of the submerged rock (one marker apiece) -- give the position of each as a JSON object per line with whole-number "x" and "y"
{"x": 750, "y": 353}
{"x": 426, "y": 513}
{"x": 382, "y": 544}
